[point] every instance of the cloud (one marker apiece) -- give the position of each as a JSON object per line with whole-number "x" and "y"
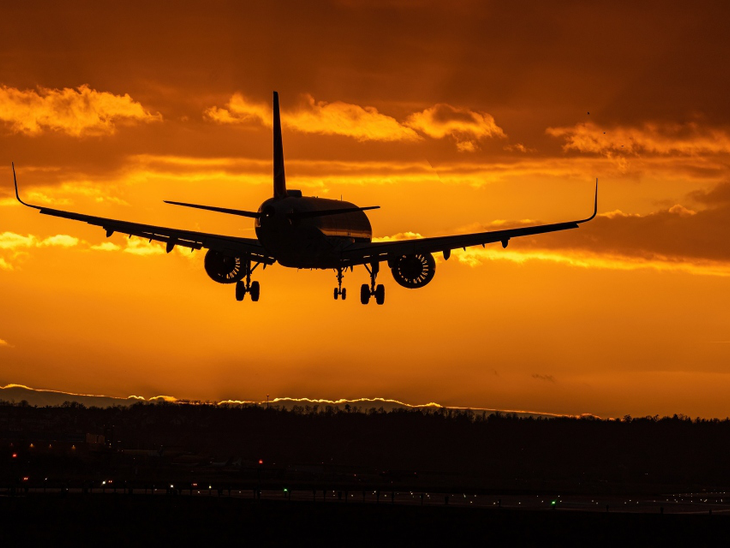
{"x": 143, "y": 248}
{"x": 17, "y": 244}
{"x": 77, "y": 112}
{"x": 650, "y": 138}
{"x": 398, "y": 237}
{"x": 12, "y": 241}
{"x": 676, "y": 238}
{"x": 673, "y": 234}
{"x": 465, "y": 126}
{"x": 167, "y": 399}
{"x": 476, "y": 256}
{"x": 60, "y": 240}
{"x": 240, "y": 110}
{"x": 548, "y": 378}
{"x": 105, "y": 246}
{"x": 5, "y": 344}
{"x": 719, "y": 194}
{"x": 337, "y": 118}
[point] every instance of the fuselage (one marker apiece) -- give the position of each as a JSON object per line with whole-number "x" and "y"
{"x": 293, "y": 230}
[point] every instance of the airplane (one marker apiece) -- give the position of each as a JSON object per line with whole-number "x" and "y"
{"x": 308, "y": 232}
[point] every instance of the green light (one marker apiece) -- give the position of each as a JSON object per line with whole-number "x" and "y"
{"x": 286, "y": 490}
{"x": 554, "y": 502}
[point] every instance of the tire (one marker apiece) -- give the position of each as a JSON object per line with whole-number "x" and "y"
{"x": 365, "y": 294}
{"x": 344, "y": 293}
{"x": 380, "y": 294}
{"x": 336, "y": 293}
{"x": 255, "y": 291}
{"x": 240, "y": 290}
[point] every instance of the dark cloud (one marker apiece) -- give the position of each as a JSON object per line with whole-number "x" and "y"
{"x": 547, "y": 378}
{"x": 677, "y": 233}
{"x": 718, "y": 195}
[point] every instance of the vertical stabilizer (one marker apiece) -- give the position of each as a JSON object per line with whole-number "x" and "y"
{"x": 279, "y": 178}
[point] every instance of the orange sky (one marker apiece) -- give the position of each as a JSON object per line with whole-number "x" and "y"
{"x": 452, "y": 119}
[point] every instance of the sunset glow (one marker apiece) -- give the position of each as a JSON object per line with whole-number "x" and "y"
{"x": 452, "y": 118}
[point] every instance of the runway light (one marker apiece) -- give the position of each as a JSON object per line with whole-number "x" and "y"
{"x": 15, "y": 455}
{"x": 261, "y": 461}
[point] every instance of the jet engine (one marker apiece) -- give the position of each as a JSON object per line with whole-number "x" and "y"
{"x": 413, "y": 271}
{"x": 224, "y": 269}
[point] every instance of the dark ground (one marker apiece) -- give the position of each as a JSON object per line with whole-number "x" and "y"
{"x": 83, "y": 520}
{"x": 666, "y": 480}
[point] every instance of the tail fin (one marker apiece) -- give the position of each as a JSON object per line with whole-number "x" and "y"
{"x": 279, "y": 177}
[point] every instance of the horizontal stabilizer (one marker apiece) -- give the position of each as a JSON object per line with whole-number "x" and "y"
{"x": 252, "y": 214}
{"x": 325, "y": 212}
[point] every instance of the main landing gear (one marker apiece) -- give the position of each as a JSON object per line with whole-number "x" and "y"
{"x": 339, "y": 290}
{"x": 367, "y": 291}
{"x": 253, "y": 288}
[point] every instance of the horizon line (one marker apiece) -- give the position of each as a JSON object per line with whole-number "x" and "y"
{"x": 282, "y": 399}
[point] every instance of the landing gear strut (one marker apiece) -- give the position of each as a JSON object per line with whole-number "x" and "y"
{"x": 253, "y": 288}
{"x": 367, "y": 291}
{"x": 339, "y": 290}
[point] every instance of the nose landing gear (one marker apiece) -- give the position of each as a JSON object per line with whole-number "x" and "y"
{"x": 252, "y": 288}
{"x": 339, "y": 290}
{"x": 367, "y": 291}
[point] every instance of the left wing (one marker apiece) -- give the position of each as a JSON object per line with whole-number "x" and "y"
{"x": 381, "y": 251}
{"x": 229, "y": 245}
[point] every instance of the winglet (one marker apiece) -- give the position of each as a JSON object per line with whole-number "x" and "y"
{"x": 595, "y": 206}
{"x": 15, "y": 180}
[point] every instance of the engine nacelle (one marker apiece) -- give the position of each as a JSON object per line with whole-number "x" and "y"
{"x": 413, "y": 271}
{"x": 224, "y": 269}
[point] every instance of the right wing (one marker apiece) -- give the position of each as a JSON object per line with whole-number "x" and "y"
{"x": 229, "y": 245}
{"x": 366, "y": 253}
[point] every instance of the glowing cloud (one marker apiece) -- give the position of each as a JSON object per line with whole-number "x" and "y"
{"x": 60, "y": 240}
{"x": 105, "y": 246}
{"x": 4, "y": 343}
{"x": 651, "y": 138}
{"x": 398, "y": 237}
{"x": 143, "y": 248}
{"x": 240, "y": 110}
{"x": 78, "y": 112}
{"x": 463, "y": 125}
{"x": 12, "y": 241}
{"x": 338, "y": 118}
{"x": 18, "y": 245}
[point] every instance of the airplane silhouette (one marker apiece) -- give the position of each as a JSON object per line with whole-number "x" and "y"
{"x": 307, "y": 232}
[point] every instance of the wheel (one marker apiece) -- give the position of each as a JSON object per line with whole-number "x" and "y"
{"x": 255, "y": 291}
{"x": 380, "y": 294}
{"x": 365, "y": 294}
{"x": 337, "y": 293}
{"x": 240, "y": 290}
{"x": 344, "y": 293}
